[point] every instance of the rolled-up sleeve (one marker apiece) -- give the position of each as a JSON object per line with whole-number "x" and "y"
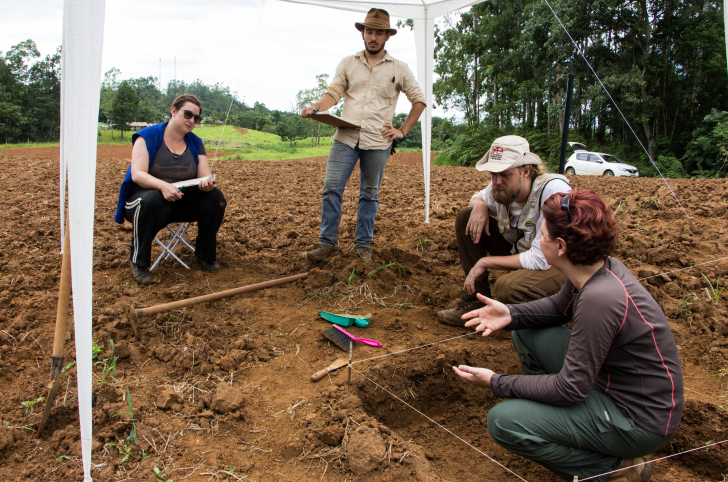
{"x": 411, "y": 88}
{"x": 338, "y": 86}
{"x": 533, "y": 258}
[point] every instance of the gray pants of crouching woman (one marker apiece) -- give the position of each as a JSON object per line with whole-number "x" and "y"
{"x": 588, "y": 439}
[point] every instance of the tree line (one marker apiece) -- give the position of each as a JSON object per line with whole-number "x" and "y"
{"x": 30, "y": 103}
{"x": 504, "y": 65}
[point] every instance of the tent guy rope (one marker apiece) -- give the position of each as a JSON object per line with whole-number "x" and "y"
{"x": 617, "y": 107}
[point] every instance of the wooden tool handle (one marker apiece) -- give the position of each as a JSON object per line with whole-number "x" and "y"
{"x": 319, "y": 375}
{"x": 216, "y": 296}
{"x": 64, "y": 293}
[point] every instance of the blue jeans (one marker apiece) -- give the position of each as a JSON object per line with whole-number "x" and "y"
{"x": 340, "y": 165}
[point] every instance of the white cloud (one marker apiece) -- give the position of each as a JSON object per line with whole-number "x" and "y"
{"x": 265, "y": 50}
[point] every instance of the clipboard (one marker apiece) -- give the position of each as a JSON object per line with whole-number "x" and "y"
{"x": 332, "y": 120}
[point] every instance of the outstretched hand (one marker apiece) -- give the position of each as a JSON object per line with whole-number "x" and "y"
{"x": 492, "y": 317}
{"x": 474, "y": 375}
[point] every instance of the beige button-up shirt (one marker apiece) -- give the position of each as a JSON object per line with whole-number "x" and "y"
{"x": 371, "y": 97}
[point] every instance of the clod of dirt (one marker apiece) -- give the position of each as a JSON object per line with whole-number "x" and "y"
{"x": 293, "y": 449}
{"x": 170, "y": 400}
{"x": 365, "y": 450}
{"x": 164, "y": 352}
{"x": 226, "y": 399}
{"x": 318, "y": 278}
{"x": 6, "y": 439}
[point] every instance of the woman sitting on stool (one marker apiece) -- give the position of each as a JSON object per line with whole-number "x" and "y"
{"x": 599, "y": 397}
{"x": 163, "y": 154}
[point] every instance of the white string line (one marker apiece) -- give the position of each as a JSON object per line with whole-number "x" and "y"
{"x": 656, "y": 460}
{"x": 442, "y": 427}
{"x": 415, "y": 348}
{"x": 683, "y": 269}
{"x": 618, "y": 109}
{"x": 232, "y": 97}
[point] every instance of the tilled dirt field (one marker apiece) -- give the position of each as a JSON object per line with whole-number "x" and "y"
{"x": 222, "y": 390}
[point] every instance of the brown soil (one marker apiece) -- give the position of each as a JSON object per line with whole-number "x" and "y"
{"x": 241, "y": 130}
{"x": 222, "y": 390}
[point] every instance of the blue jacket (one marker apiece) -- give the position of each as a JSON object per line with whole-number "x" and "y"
{"x": 153, "y": 136}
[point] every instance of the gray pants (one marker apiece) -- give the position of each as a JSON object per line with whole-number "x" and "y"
{"x": 587, "y": 439}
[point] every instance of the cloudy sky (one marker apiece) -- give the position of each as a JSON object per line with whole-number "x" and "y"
{"x": 265, "y": 50}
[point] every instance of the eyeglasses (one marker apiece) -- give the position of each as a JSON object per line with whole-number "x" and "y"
{"x": 189, "y": 115}
{"x": 565, "y": 205}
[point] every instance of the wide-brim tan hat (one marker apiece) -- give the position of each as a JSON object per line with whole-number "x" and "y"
{"x": 507, "y": 152}
{"x": 377, "y": 19}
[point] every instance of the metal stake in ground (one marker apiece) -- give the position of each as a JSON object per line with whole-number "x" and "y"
{"x": 64, "y": 293}
{"x": 133, "y": 314}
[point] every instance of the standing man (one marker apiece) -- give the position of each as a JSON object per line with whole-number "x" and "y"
{"x": 501, "y": 230}
{"x": 370, "y": 81}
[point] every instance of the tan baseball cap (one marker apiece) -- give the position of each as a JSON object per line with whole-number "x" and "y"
{"x": 507, "y": 152}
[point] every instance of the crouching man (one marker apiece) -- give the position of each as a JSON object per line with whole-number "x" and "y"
{"x": 500, "y": 230}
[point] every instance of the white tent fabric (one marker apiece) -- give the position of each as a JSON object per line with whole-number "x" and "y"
{"x": 424, "y": 13}
{"x": 83, "y": 35}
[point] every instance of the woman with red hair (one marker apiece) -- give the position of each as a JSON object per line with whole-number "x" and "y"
{"x": 597, "y": 398}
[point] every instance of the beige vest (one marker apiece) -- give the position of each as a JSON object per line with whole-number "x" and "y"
{"x": 530, "y": 214}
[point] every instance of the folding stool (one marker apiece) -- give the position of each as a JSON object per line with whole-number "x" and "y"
{"x": 168, "y": 249}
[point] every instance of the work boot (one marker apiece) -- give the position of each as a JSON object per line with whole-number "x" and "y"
{"x": 320, "y": 253}
{"x": 364, "y": 253}
{"x": 453, "y": 316}
{"x": 640, "y": 473}
{"x": 207, "y": 267}
{"x": 142, "y": 275}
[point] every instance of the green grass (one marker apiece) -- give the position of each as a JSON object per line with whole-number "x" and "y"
{"x": 257, "y": 146}
{"x": 252, "y": 146}
{"x": 28, "y": 144}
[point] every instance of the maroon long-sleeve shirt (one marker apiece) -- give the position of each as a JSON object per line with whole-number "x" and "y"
{"x": 621, "y": 345}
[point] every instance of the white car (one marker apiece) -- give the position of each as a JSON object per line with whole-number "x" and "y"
{"x": 585, "y": 163}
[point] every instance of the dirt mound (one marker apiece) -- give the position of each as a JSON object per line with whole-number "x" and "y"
{"x": 222, "y": 389}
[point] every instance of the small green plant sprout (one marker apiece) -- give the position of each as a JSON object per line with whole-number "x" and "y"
{"x": 351, "y": 277}
{"x": 713, "y": 292}
{"x": 96, "y": 350}
{"x": 160, "y": 476}
{"x": 67, "y": 367}
{"x": 123, "y": 447}
{"x": 421, "y": 242}
{"x": 230, "y": 468}
{"x": 132, "y": 438}
{"x": 109, "y": 364}
{"x": 63, "y": 458}
{"x": 29, "y": 404}
{"x": 400, "y": 268}
{"x": 686, "y": 301}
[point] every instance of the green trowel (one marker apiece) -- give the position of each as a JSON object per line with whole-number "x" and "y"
{"x": 362, "y": 321}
